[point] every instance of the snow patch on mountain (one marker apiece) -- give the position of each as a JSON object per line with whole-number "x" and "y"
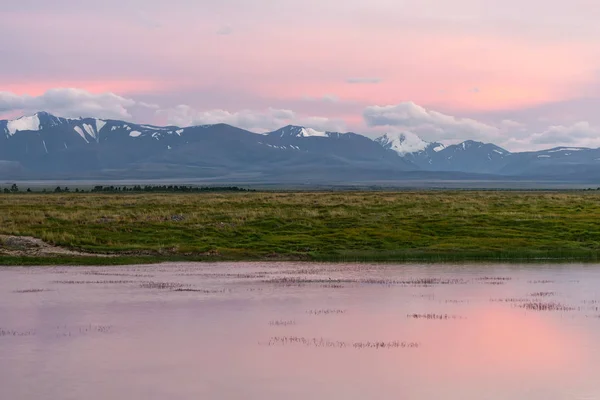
{"x": 559, "y": 149}
{"x": 470, "y": 143}
{"x": 439, "y": 148}
{"x": 80, "y": 132}
{"x": 90, "y": 131}
{"x": 135, "y": 133}
{"x": 403, "y": 143}
{"x": 300, "y": 131}
{"x": 154, "y": 127}
{"x": 99, "y": 125}
{"x": 31, "y": 123}
{"x": 307, "y": 132}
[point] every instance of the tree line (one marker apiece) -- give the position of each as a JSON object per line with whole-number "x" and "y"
{"x": 137, "y": 189}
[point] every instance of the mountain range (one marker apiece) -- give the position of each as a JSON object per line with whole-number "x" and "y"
{"x": 43, "y": 146}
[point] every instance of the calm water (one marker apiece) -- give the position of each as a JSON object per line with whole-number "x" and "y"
{"x": 300, "y": 331}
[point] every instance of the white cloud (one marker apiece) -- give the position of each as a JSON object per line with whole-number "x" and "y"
{"x": 404, "y": 117}
{"x": 258, "y": 121}
{"x": 512, "y": 135}
{"x": 522, "y": 138}
{"x": 281, "y": 114}
{"x": 321, "y": 124}
{"x": 432, "y": 125}
{"x": 69, "y": 102}
{"x": 510, "y": 124}
{"x": 365, "y": 80}
{"x": 10, "y": 101}
{"x": 331, "y": 98}
{"x": 148, "y": 105}
{"x": 579, "y": 134}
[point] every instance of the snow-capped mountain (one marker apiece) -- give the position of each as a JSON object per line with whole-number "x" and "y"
{"x": 403, "y": 143}
{"x": 298, "y": 131}
{"x": 471, "y": 155}
{"x": 339, "y": 148}
{"x": 468, "y": 156}
{"x": 46, "y": 146}
{"x": 412, "y": 148}
{"x": 88, "y": 129}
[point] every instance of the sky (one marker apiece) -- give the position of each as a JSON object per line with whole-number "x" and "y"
{"x": 524, "y": 74}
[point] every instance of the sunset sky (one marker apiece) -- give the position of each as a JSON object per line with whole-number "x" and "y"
{"x": 524, "y": 74}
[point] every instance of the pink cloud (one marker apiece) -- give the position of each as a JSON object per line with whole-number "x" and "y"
{"x": 37, "y": 88}
{"x": 432, "y": 56}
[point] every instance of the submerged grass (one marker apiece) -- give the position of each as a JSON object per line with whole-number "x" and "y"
{"x": 324, "y": 226}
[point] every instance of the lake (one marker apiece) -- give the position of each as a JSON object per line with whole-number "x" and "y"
{"x": 300, "y": 331}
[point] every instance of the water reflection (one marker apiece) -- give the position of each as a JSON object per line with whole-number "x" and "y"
{"x": 298, "y": 331}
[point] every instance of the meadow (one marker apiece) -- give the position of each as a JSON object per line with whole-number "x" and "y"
{"x": 311, "y": 226}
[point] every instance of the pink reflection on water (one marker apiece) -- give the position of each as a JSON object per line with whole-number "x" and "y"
{"x": 188, "y": 346}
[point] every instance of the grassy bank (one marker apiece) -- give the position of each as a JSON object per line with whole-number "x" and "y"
{"x": 335, "y": 226}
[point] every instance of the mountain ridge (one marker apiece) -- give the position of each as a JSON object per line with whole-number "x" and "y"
{"x": 43, "y": 144}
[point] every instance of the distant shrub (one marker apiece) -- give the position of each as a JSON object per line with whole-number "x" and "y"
{"x": 169, "y": 188}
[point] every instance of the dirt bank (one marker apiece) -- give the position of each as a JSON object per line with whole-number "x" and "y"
{"x": 26, "y": 246}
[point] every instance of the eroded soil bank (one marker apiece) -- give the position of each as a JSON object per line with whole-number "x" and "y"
{"x": 27, "y": 246}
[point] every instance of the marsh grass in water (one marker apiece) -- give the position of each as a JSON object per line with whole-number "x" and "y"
{"x": 591, "y": 302}
{"x": 546, "y": 306}
{"x": 282, "y": 323}
{"x": 326, "y": 311}
{"x": 203, "y": 291}
{"x": 543, "y": 294}
{"x": 59, "y": 331}
{"x": 511, "y": 300}
{"x": 106, "y": 282}
{"x": 15, "y": 333}
{"x": 439, "y": 317}
{"x": 164, "y": 285}
{"x": 456, "y": 301}
{"x": 494, "y": 279}
{"x": 96, "y": 273}
{"x": 339, "y": 283}
{"x": 327, "y": 343}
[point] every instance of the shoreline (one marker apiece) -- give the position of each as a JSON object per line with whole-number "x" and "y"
{"x": 116, "y": 259}
{"x": 9, "y": 262}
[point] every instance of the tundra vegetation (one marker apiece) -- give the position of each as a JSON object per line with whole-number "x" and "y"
{"x": 132, "y": 227}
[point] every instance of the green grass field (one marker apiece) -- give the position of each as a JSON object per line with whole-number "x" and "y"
{"x": 324, "y": 226}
